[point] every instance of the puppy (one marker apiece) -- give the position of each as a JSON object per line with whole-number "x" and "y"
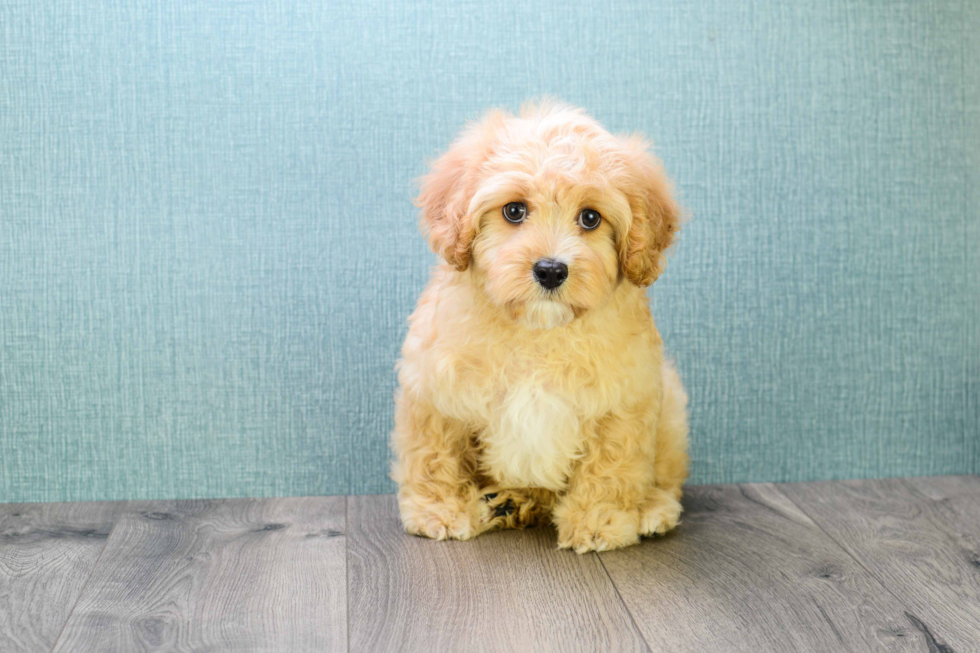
{"x": 533, "y": 385}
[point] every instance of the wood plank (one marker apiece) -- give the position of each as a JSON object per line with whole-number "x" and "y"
{"x": 956, "y": 500}
{"x": 234, "y": 575}
{"x": 747, "y": 571}
{"x": 47, "y": 552}
{"x": 920, "y": 537}
{"x": 504, "y": 591}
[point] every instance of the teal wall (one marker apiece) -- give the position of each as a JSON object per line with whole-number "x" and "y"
{"x": 208, "y": 248}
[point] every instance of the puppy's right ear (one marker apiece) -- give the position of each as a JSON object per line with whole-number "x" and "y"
{"x": 445, "y": 193}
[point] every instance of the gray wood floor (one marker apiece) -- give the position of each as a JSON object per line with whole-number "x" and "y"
{"x": 888, "y": 565}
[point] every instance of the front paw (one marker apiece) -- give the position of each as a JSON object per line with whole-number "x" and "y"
{"x": 660, "y": 514}
{"x": 599, "y": 527}
{"x": 497, "y": 509}
{"x": 512, "y": 508}
{"x": 437, "y": 521}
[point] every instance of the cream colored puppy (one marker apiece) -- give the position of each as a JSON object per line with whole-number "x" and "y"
{"x": 532, "y": 382}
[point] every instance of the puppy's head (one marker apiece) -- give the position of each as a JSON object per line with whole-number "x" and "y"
{"x": 548, "y": 212}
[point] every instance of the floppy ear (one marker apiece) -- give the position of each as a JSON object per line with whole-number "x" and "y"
{"x": 656, "y": 217}
{"x": 445, "y": 193}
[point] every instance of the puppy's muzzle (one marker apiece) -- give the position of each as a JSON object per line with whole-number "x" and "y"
{"x": 550, "y": 273}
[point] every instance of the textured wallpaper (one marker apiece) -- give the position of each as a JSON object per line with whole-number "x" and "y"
{"x": 208, "y": 249}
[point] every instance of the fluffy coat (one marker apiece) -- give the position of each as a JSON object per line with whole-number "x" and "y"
{"x": 516, "y": 404}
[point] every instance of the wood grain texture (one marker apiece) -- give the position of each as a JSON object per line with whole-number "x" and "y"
{"x": 748, "y": 571}
{"x": 505, "y": 591}
{"x": 842, "y": 566}
{"x": 920, "y": 537}
{"x": 235, "y": 575}
{"x": 47, "y": 552}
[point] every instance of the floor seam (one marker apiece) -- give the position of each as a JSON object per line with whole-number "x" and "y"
{"x": 347, "y": 566}
{"x": 112, "y": 530}
{"x": 626, "y": 607}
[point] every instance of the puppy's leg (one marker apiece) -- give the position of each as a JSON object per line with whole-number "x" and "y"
{"x": 671, "y": 461}
{"x": 435, "y": 468}
{"x": 601, "y": 508}
{"x": 661, "y": 510}
{"x": 514, "y": 508}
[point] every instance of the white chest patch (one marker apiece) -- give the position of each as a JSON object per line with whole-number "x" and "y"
{"x": 533, "y": 439}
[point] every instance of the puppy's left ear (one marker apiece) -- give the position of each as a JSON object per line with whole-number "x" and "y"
{"x": 445, "y": 192}
{"x": 656, "y": 217}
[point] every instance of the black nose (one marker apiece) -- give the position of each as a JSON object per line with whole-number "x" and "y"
{"x": 550, "y": 273}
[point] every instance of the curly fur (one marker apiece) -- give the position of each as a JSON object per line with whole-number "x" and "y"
{"x": 517, "y": 405}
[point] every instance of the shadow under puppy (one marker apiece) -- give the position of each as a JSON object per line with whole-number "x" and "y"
{"x": 533, "y": 385}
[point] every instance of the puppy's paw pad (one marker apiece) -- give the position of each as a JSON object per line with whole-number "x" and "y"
{"x": 508, "y": 509}
{"x": 505, "y": 510}
{"x": 496, "y": 510}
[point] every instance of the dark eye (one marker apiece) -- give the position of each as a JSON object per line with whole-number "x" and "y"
{"x": 515, "y": 212}
{"x": 589, "y": 219}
